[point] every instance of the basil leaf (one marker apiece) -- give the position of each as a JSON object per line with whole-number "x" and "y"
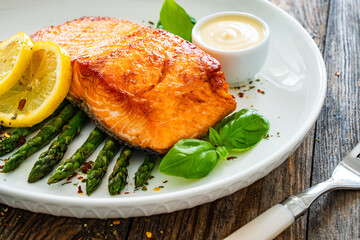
{"x": 214, "y": 137}
{"x": 174, "y": 19}
{"x": 223, "y": 152}
{"x": 189, "y": 158}
{"x": 240, "y": 131}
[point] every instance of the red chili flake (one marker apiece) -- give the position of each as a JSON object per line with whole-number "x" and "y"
{"x": 231, "y": 158}
{"x": 21, "y": 141}
{"x": 72, "y": 176}
{"x": 116, "y": 222}
{"x": 241, "y": 94}
{"x": 80, "y": 178}
{"x": 260, "y": 91}
{"x": 79, "y": 190}
{"x": 2, "y": 167}
{"x": 165, "y": 181}
{"x": 22, "y": 104}
{"x": 86, "y": 167}
{"x": 80, "y": 238}
{"x": 5, "y": 160}
{"x": 126, "y": 192}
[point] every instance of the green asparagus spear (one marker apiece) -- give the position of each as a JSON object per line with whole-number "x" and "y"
{"x": 144, "y": 171}
{"x": 117, "y": 179}
{"x": 78, "y": 158}
{"x": 47, "y": 132}
{"x": 8, "y": 144}
{"x": 99, "y": 168}
{"x": 58, "y": 148}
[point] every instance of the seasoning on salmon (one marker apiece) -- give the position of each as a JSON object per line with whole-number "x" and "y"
{"x": 147, "y": 87}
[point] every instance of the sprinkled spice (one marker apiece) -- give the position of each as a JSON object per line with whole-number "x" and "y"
{"x": 14, "y": 117}
{"x": 149, "y": 234}
{"x": 65, "y": 183}
{"x": 165, "y": 181}
{"x": 116, "y": 222}
{"x": 21, "y": 141}
{"x": 257, "y": 80}
{"x": 144, "y": 188}
{"x": 231, "y": 158}
{"x": 22, "y": 104}
{"x": 156, "y": 189}
{"x": 86, "y": 167}
{"x": 241, "y": 94}
{"x": 80, "y": 178}
{"x": 266, "y": 137}
{"x": 127, "y": 193}
{"x": 260, "y": 91}
{"x": 80, "y": 191}
{"x": 2, "y": 166}
{"x": 72, "y": 176}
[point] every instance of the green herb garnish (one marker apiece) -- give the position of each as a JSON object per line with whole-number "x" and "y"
{"x": 174, "y": 19}
{"x": 194, "y": 159}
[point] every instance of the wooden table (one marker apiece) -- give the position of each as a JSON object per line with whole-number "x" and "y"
{"x": 335, "y": 27}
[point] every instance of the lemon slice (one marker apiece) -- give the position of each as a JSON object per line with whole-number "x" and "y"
{"x": 15, "y": 53}
{"x": 40, "y": 90}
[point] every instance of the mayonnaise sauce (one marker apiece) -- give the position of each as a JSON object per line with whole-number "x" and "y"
{"x": 232, "y": 32}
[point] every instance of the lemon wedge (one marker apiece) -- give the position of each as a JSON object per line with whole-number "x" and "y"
{"x": 15, "y": 53}
{"x": 40, "y": 90}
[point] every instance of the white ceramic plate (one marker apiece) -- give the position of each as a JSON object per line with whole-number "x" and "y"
{"x": 294, "y": 81}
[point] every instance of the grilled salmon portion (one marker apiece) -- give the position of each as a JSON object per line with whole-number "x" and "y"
{"x": 146, "y": 87}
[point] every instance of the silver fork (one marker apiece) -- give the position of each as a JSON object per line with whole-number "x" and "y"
{"x": 275, "y": 220}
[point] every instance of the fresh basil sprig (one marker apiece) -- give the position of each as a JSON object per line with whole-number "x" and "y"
{"x": 174, "y": 19}
{"x": 194, "y": 159}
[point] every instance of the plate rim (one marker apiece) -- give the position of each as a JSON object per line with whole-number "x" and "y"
{"x": 184, "y": 194}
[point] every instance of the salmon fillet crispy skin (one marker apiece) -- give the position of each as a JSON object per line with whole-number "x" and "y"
{"x": 146, "y": 87}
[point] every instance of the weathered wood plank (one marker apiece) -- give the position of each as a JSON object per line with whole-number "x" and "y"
{"x": 337, "y": 215}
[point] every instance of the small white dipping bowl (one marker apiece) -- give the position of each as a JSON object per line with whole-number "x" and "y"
{"x": 239, "y": 66}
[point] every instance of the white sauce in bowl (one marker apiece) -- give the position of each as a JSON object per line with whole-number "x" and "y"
{"x": 232, "y": 32}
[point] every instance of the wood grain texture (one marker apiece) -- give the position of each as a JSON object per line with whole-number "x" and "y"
{"x": 334, "y": 25}
{"x": 337, "y": 214}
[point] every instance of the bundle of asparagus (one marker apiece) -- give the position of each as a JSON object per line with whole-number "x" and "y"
{"x": 69, "y": 120}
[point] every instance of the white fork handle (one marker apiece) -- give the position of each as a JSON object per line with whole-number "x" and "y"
{"x": 266, "y": 226}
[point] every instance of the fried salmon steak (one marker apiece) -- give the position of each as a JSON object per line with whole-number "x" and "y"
{"x": 146, "y": 87}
